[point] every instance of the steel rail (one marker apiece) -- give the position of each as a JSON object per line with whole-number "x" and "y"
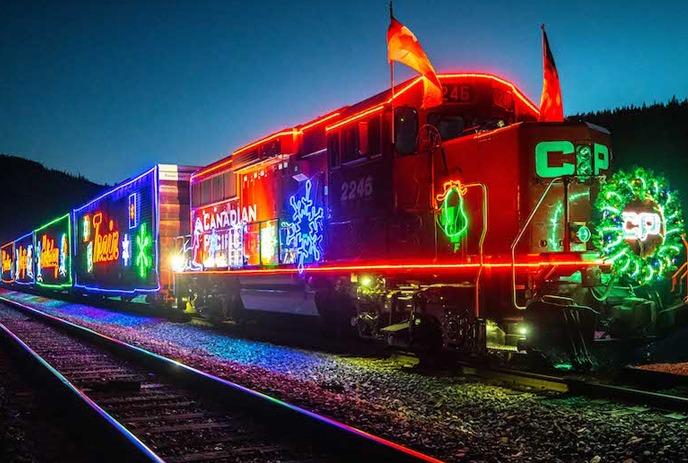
{"x": 578, "y": 386}
{"x": 348, "y": 440}
{"x": 125, "y": 444}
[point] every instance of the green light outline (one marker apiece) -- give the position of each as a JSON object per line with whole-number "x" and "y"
{"x": 456, "y": 236}
{"x": 620, "y": 189}
{"x": 68, "y": 284}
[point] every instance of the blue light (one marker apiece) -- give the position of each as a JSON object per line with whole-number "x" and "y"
{"x": 304, "y": 234}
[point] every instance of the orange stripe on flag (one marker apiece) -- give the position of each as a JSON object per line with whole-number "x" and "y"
{"x": 404, "y": 47}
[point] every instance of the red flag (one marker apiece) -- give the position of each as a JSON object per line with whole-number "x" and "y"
{"x": 551, "y": 105}
{"x": 404, "y": 47}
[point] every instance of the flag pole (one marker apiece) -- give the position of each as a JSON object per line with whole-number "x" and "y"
{"x": 391, "y": 74}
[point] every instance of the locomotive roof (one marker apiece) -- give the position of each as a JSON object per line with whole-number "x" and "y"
{"x": 375, "y": 103}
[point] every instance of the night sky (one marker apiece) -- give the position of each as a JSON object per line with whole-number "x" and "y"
{"x": 106, "y": 89}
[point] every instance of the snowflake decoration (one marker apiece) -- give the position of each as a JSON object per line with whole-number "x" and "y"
{"x": 304, "y": 234}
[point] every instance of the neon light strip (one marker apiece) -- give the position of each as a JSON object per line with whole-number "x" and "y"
{"x": 318, "y": 121}
{"x": 403, "y": 267}
{"x": 515, "y": 90}
{"x": 68, "y": 284}
{"x": 291, "y": 132}
{"x": 33, "y": 243}
{"x": 481, "y": 75}
{"x": 232, "y": 385}
{"x": 355, "y": 117}
{"x": 118, "y": 187}
{"x": 377, "y": 108}
{"x": 294, "y": 131}
{"x": 156, "y": 217}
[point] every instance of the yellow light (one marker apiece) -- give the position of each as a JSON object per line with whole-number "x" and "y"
{"x": 178, "y": 263}
{"x": 522, "y": 330}
{"x": 366, "y": 281}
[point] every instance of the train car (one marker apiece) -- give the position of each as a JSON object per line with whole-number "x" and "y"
{"x": 123, "y": 240}
{"x": 428, "y": 228}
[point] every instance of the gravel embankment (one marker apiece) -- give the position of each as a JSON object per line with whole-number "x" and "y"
{"x": 673, "y": 368}
{"x": 452, "y": 417}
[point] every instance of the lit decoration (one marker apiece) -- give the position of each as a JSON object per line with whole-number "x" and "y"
{"x": 453, "y": 219}
{"x": 268, "y": 243}
{"x": 218, "y": 233}
{"x": 47, "y": 256}
{"x": 105, "y": 262}
{"x": 144, "y": 241}
{"x": 304, "y": 234}
{"x": 126, "y": 250}
{"x": 583, "y": 234}
{"x": 21, "y": 262}
{"x": 133, "y": 210}
{"x": 29, "y": 261}
{"x": 641, "y": 225}
{"x": 89, "y": 257}
{"x": 106, "y": 247}
{"x": 6, "y": 255}
{"x": 39, "y": 269}
{"x": 555, "y": 222}
{"x": 64, "y": 255}
{"x": 86, "y": 228}
{"x": 53, "y": 241}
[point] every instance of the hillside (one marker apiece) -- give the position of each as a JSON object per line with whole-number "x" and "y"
{"x": 34, "y": 194}
{"x": 654, "y": 136}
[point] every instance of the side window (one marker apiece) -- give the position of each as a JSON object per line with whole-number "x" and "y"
{"x": 196, "y": 194}
{"x": 349, "y": 139}
{"x": 363, "y": 138}
{"x": 230, "y": 185}
{"x": 205, "y": 192}
{"x": 374, "y": 136}
{"x": 333, "y": 149}
{"x": 218, "y": 188}
{"x": 405, "y": 130}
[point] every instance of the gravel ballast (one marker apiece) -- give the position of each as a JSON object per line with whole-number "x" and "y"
{"x": 452, "y": 417}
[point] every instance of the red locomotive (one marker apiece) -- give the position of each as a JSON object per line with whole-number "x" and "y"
{"x": 427, "y": 228}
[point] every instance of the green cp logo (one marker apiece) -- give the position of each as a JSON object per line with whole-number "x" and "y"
{"x": 554, "y": 159}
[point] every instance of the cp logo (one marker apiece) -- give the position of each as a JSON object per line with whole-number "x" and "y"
{"x": 552, "y": 159}
{"x": 640, "y": 225}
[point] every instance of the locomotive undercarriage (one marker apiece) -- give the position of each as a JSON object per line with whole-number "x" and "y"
{"x": 566, "y": 320}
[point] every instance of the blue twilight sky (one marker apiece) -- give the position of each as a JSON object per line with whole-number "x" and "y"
{"x": 106, "y": 89}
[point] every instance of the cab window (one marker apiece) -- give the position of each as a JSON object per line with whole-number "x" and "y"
{"x": 405, "y": 130}
{"x": 449, "y": 126}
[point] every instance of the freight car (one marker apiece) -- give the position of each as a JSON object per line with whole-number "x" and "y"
{"x": 120, "y": 244}
{"x": 460, "y": 226}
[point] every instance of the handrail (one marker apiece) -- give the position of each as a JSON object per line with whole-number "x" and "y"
{"x": 520, "y": 235}
{"x": 483, "y": 234}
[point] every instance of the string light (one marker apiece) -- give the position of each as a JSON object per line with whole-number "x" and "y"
{"x": 639, "y": 225}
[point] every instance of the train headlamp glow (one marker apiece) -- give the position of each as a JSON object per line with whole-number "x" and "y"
{"x": 366, "y": 281}
{"x": 178, "y": 262}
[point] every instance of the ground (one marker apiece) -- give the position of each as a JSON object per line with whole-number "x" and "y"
{"x": 448, "y": 415}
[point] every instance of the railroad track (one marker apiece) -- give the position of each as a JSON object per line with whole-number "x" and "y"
{"x": 628, "y": 391}
{"x": 146, "y": 407}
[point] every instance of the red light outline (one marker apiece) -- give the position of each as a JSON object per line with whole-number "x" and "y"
{"x": 298, "y": 130}
{"x": 402, "y": 267}
{"x": 482, "y": 75}
{"x": 318, "y": 121}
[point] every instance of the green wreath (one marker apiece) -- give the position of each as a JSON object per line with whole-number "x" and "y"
{"x": 640, "y": 225}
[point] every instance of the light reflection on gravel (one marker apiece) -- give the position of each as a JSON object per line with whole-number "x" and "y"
{"x": 452, "y": 417}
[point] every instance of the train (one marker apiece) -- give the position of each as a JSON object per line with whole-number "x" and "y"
{"x": 466, "y": 227}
